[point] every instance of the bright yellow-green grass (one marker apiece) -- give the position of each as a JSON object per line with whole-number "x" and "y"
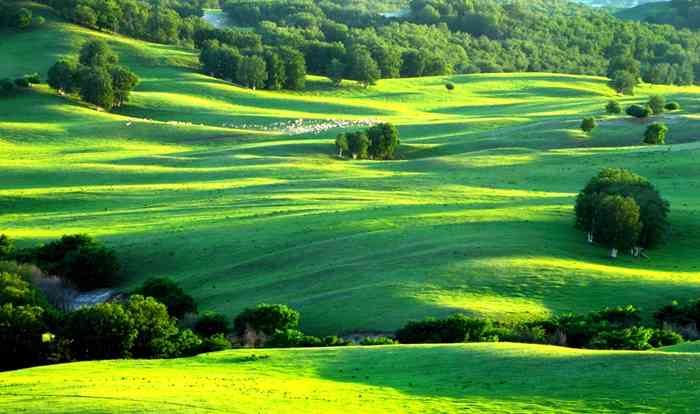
{"x": 480, "y": 378}
{"x": 192, "y": 181}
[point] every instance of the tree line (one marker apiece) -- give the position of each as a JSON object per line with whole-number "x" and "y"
{"x": 438, "y": 37}
{"x": 14, "y": 16}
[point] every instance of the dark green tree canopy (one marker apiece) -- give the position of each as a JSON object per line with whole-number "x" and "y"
{"x": 655, "y": 134}
{"x": 266, "y": 319}
{"x": 97, "y": 53}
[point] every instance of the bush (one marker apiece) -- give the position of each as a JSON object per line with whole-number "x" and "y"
{"x": 450, "y": 86}
{"x": 292, "y": 338}
{"x": 639, "y": 111}
{"x": 382, "y": 340}
{"x": 588, "y": 124}
{"x": 21, "y": 330}
{"x": 80, "y": 259}
{"x": 156, "y": 329}
{"x": 613, "y": 107}
{"x": 14, "y": 289}
{"x": 22, "y": 83}
{"x": 655, "y": 134}
{"x": 664, "y": 337}
{"x": 7, "y": 247}
{"x": 673, "y": 106}
{"x": 215, "y": 343}
{"x": 170, "y": 294}
{"x": 6, "y": 86}
{"x": 33, "y": 78}
{"x": 266, "y": 319}
{"x": 209, "y": 324}
{"x": 453, "y": 329}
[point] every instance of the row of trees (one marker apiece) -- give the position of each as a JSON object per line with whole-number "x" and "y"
{"x": 96, "y": 77}
{"x": 623, "y": 211}
{"x": 272, "y": 68}
{"x": 9, "y": 86}
{"x": 377, "y": 143}
{"x": 466, "y": 36}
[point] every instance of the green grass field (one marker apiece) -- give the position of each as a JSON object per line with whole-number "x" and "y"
{"x": 482, "y": 378}
{"x": 191, "y": 181}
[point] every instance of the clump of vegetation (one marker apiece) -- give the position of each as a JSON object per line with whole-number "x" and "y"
{"x": 639, "y": 111}
{"x": 456, "y": 328}
{"x": 266, "y": 319}
{"x": 209, "y": 324}
{"x": 378, "y": 341}
{"x": 8, "y": 86}
{"x": 673, "y": 106}
{"x": 656, "y": 134}
{"x": 449, "y": 86}
{"x": 588, "y": 124}
{"x": 97, "y": 78}
{"x": 167, "y": 292}
{"x": 613, "y": 107}
{"x": 622, "y": 211}
{"x": 378, "y": 143}
{"x": 14, "y": 16}
{"x": 657, "y": 103}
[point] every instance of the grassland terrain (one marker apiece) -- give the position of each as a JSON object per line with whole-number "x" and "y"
{"x": 195, "y": 180}
{"x": 483, "y": 378}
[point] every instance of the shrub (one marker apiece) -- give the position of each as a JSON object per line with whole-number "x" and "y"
{"x": 453, "y": 329}
{"x": 383, "y": 141}
{"x": 450, "y": 86}
{"x": 6, "y": 86}
{"x": 186, "y": 343}
{"x": 620, "y": 317}
{"x": 266, "y": 319}
{"x": 33, "y": 78}
{"x": 673, "y": 106}
{"x": 292, "y": 338}
{"x": 80, "y": 259}
{"x": 382, "y": 340}
{"x": 588, "y": 124}
{"x": 215, "y": 343}
{"x": 664, "y": 337}
{"x": 655, "y": 134}
{"x": 170, "y": 294}
{"x": 657, "y": 103}
{"x": 7, "y": 247}
{"x": 635, "y": 339}
{"x": 63, "y": 76}
{"x": 210, "y": 323}
{"x": 639, "y": 111}
{"x": 156, "y": 330}
{"x": 613, "y": 107}
{"x": 22, "y": 83}
{"x": 14, "y": 289}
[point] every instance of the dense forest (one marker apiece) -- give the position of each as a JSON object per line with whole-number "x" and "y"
{"x": 679, "y": 13}
{"x": 358, "y": 40}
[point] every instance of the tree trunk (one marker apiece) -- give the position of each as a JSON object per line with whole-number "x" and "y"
{"x": 613, "y": 253}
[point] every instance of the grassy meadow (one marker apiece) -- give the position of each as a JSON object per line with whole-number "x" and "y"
{"x": 483, "y": 378}
{"x": 195, "y": 180}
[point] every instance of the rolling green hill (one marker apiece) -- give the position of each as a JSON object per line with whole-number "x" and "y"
{"x": 207, "y": 183}
{"x": 484, "y": 378}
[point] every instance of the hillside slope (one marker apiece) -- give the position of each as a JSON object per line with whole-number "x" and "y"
{"x": 484, "y": 378}
{"x": 214, "y": 186}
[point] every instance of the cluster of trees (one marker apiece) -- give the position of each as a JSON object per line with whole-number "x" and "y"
{"x": 439, "y": 37}
{"x": 377, "y": 143}
{"x": 171, "y": 21}
{"x": 611, "y": 328}
{"x": 253, "y": 66}
{"x": 14, "y": 16}
{"x": 10, "y": 86}
{"x": 623, "y": 211}
{"x": 679, "y": 13}
{"x": 96, "y": 77}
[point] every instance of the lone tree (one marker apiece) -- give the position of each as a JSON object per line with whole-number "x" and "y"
{"x": 96, "y": 87}
{"x": 655, "y": 134}
{"x": 123, "y": 81}
{"x": 341, "y": 144}
{"x": 616, "y": 223}
{"x": 450, "y": 86}
{"x": 384, "y": 139}
{"x": 653, "y": 209}
{"x": 672, "y": 106}
{"x": 336, "y": 72}
{"x": 266, "y": 319}
{"x": 588, "y": 124}
{"x": 657, "y": 103}
{"x": 613, "y": 107}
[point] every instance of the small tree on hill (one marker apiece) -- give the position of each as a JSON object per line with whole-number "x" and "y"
{"x": 450, "y": 86}
{"x": 358, "y": 143}
{"x": 588, "y": 124}
{"x": 123, "y": 81}
{"x": 63, "y": 76}
{"x": 617, "y": 222}
{"x": 170, "y": 294}
{"x": 672, "y": 106}
{"x": 252, "y": 72}
{"x": 341, "y": 144}
{"x": 97, "y": 53}
{"x": 655, "y": 134}
{"x": 266, "y": 319}
{"x": 657, "y": 103}
{"x": 384, "y": 139}
{"x": 336, "y": 72}
{"x": 363, "y": 68}
{"x": 155, "y": 328}
{"x": 613, "y": 107}
{"x": 96, "y": 87}
{"x": 623, "y": 82}
{"x": 104, "y": 331}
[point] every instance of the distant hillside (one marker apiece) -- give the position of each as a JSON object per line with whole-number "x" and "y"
{"x": 681, "y": 14}
{"x": 616, "y": 3}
